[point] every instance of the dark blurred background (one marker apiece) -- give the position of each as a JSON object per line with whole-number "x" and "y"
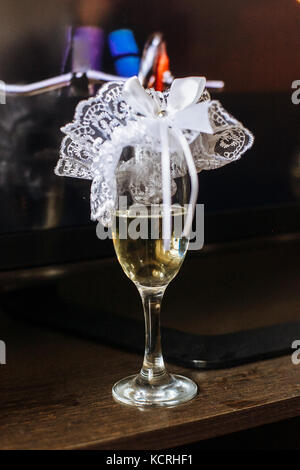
{"x": 56, "y": 272}
{"x": 252, "y": 45}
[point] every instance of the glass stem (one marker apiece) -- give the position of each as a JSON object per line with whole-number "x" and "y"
{"x": 153, "y": 369}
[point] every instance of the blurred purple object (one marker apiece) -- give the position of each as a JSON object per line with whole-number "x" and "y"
{"x": 84, "y": 49}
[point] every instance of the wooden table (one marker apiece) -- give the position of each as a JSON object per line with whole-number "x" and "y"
{"x": 55, "y": 393}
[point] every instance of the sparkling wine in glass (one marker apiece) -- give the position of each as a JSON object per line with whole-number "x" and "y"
{"x": 151, "y": 264}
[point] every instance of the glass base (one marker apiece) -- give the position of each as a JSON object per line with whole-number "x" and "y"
{"x": 170, "y": 390}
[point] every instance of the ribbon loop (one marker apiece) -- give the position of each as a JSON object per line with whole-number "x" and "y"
{"x": 137, "y": 97}
{"x": 184, "y": 92}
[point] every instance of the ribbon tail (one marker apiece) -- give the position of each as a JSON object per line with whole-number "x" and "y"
{"x": 166, "y": 185}
{"x": 194, "y": 180}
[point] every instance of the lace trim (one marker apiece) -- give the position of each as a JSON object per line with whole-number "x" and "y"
{"x": 104, "y": 125}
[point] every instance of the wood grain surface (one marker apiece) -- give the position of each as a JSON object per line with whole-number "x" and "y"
{"x": 55, "y": 393}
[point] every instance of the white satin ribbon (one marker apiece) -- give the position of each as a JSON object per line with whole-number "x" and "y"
{"x": 182, "y": 112}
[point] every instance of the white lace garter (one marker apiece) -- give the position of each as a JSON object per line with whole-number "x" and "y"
{"x": 176, "y": 132}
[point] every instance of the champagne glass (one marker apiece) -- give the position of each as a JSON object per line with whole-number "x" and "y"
{"x": 151, "y": 264}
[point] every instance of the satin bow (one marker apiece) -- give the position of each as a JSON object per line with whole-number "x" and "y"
{"x": 181, "y": 112}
